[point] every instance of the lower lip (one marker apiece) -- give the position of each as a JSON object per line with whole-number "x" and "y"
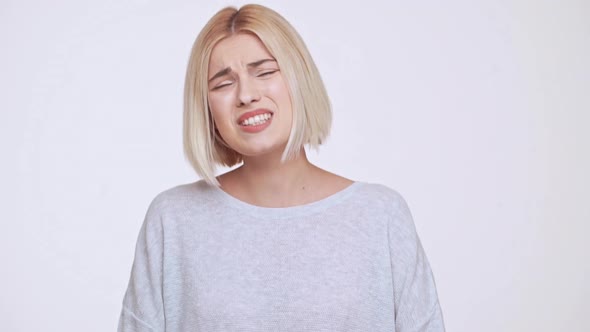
{"x": 257, "y": 128}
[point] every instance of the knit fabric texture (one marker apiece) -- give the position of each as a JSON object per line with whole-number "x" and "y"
{"x": 207, "y": 261}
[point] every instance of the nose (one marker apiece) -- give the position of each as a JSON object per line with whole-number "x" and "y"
{"x": 247, "y": 93}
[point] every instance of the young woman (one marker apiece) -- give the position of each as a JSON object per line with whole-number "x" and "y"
{"x": 277, "y": 244}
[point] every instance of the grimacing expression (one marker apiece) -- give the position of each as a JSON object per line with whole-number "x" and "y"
{"x": 244, "y": 77}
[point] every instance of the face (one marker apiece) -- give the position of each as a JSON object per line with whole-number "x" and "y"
{"x": 248, "y": 97}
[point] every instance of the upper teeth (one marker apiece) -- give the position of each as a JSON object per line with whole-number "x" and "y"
{"x": 255, "y": 120}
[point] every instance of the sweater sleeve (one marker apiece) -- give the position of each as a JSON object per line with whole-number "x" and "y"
{"x": 143, "y": 307}
{"x": 417, "y": 308}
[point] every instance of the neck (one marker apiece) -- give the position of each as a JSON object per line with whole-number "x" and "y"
{"x": 267, "y": 173}
{"x": 268, "y": 182}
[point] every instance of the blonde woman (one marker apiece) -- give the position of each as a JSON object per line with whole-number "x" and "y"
{"x": 277, "y": 244}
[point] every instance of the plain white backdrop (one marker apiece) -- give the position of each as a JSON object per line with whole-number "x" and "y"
{"x": 477, "y": 112}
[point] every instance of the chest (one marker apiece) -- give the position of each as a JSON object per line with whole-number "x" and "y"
{"x": 323, "y": 273}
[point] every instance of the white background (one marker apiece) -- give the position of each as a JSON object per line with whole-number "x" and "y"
{"x": 477, "y": 112}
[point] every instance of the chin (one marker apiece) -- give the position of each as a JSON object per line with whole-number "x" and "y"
{"x": 263, "y": 151}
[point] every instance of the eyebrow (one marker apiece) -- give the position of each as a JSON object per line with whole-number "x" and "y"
{"x": 228, "y": 70}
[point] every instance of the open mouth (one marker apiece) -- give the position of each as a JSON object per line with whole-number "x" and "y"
{"x": 256, "y": 120}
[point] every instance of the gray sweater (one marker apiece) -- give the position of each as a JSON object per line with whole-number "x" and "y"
{"x": 206, "y": 261}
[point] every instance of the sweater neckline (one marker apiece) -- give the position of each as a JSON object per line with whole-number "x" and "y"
{"x": 290, "y": 211}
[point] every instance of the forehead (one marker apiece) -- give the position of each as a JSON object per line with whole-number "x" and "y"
{"x": 237, "y": 50}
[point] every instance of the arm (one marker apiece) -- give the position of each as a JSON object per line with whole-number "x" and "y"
{"x": 143, "y": 307}
{"x": 416, "y": 302}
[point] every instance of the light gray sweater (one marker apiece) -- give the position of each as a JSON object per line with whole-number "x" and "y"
{"x": 206, "y": 261}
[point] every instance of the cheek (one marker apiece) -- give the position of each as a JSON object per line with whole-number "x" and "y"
{"x": 280, "y": 92}
{"x": 220, "y": 108}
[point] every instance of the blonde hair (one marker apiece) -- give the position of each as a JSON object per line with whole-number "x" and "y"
{"x": 312, "y": 115}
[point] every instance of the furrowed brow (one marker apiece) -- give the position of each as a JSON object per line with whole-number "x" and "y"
{"x": 220, "y": 73}
{"x": 259, "y": 62}
{"x": 228, "y": 70}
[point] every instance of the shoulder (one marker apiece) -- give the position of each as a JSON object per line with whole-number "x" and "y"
{"x": 390, "y": 202}
{"x": 182, "y": 196}
{"x": 178, "y": 206}
{"x": 383, "y": 197}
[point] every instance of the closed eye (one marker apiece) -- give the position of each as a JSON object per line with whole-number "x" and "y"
{"x": 267, "y": 73}
{"x": 222, "y": 85}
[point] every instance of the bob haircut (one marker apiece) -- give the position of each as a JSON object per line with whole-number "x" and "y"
{"x": 312, "y": 115}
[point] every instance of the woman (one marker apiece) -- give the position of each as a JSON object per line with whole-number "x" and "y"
{"x": 277, "y": 244}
